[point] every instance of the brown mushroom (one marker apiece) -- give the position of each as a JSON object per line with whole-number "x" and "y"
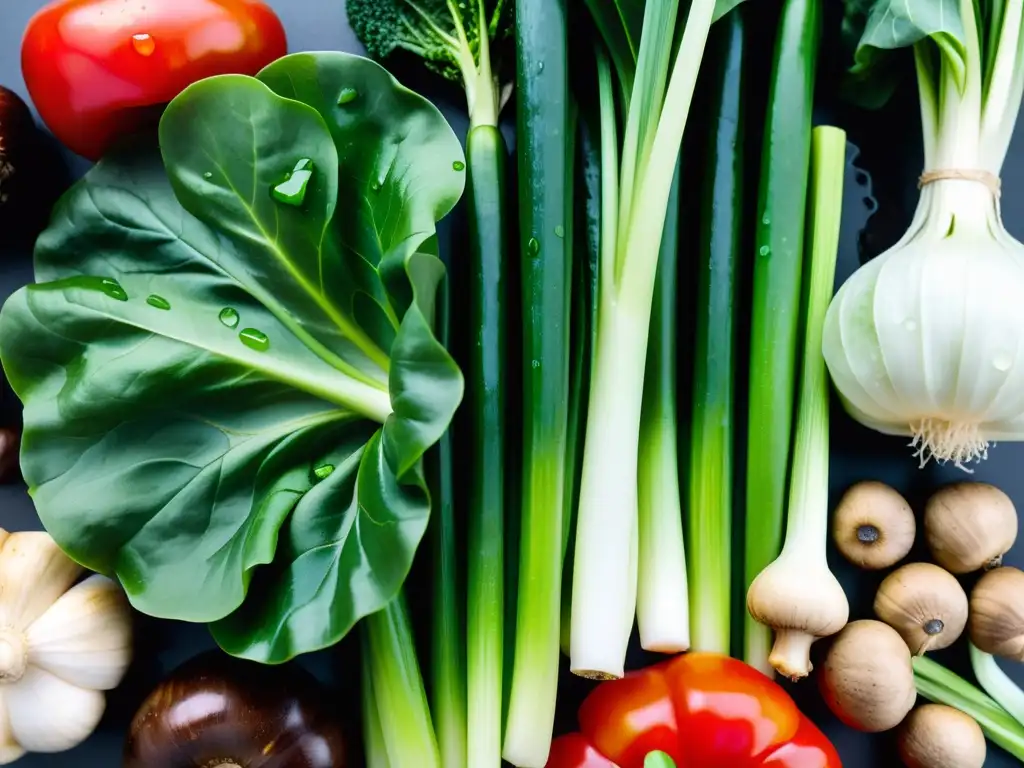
{"x": 220, "y": 712}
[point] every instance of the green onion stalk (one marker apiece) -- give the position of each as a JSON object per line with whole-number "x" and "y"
{"x": 545, "y": 145}
{"x": 604, "y": 589}
{"x": 778, "y": 280}
{"x": 711, "y": 439}
{"x": 938, "y": 684}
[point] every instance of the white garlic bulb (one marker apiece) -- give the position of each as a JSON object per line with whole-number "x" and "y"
{"x": 60, "y": 646}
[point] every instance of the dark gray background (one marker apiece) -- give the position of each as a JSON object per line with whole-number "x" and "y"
{"x": 890, "y": 154}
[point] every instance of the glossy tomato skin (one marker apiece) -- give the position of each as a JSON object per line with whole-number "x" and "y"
{"x": 99, "y": 69}
{"x": 704, "y": 711}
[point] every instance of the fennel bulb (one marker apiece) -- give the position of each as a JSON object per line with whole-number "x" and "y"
{"x": 927, "y": 340}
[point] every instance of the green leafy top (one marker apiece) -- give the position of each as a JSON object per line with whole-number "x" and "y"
{"x": 228, "y": 362}
{"x": 453, "y": 37}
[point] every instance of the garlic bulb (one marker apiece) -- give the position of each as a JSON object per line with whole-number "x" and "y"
{"x": 927, "y": 340}
{"x": 60, "y": 646}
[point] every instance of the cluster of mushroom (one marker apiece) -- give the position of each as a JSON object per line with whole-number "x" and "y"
{"x": 868, "y": 676}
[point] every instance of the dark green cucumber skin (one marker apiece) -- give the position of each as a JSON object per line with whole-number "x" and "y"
{"x": 719, "y": 266}
{"x": 778, "y": 267}
{"x": 487, "y": 380}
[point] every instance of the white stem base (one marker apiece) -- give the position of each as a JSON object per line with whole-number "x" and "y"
{"x": 604, "y": 588}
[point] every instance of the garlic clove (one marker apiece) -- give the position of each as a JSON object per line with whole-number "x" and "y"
{"x": 85, "y": 637}
{"x": 48, "y": 714}
{"x": 925, "y": 604}
{"x": 34, "y": 572}
{"x": 9, "y": 748}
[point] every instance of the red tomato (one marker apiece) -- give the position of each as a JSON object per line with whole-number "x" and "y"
{"x": 701, "y": 709}
{"x": 99, "y": 69}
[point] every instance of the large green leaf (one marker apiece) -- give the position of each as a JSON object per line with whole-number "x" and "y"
{"x": 873, "y": 29}
{"x": 227, "y": 397}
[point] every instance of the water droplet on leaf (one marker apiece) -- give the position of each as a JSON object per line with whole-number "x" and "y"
{"x": 559, "y": 231}
{"x": 143, "y": 44}
{"x": 292, "y": 191}
{"x": 113, "y": 289}
{"x": 765, "y": 250}
{"x": 533, "y": 245}
{"x": 229, "y": 317}
{"x": 158, "y": 301}
{"x": 1002, "y": 361}
{"x": 322, "y": 472}
{"x": 347, "y": 96}
{"x": 254, "y": 339}
{"x": 458, "y": 165}
{"x": 208, "y": 175}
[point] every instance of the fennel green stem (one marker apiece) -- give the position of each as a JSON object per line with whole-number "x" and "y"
{"x": 390, "y": 650}
{"x": 662, "y": 608}
{"x": 807, "y": 518}
{"x": 938, "y": 684}
{"x": 608, "y": 500}
{"x": 997, "y": 683}
{"x": 486, "y": 375}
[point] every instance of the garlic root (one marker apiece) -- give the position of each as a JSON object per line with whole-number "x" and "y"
{"x": 925, "y": 604}
{"x": 969, "y": 526}
{"x": 937, "y": 736}
{"x": 867, "y": 679}
{"x": 997, "y": 613}
{"x": 873, "y": 525}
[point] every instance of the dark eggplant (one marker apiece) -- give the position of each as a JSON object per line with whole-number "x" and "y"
{"x": 16, "y": 125}
{"x": 221, "y": 712}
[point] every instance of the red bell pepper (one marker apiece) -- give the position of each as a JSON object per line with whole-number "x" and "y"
{"x": 701, "y": 709}
{"x": 99, "y": 69}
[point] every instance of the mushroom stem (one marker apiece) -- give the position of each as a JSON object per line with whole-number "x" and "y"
{"x": 791, "y": 652}
{"x": 13, "y": 656}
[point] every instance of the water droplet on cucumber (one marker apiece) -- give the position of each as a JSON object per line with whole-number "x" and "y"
{"x": 292, "y": 191}
{"x": 229, "y": 317}
{"x": 534, "y": 245}
{"x": 158, "y": 301}
{"x": 765, "y": 250}
{"x": 254, "y": 339}
{"x": 559, "y": 231}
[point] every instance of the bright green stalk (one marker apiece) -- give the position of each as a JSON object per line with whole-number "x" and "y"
{"x": 711, "y": 440}
{"x": 376, "y": 752}
{"x": 775, "y": 317}
{"x": 938, "y": 684}
{"x": 997, "y": 683}
{"x": 487, "y": 377}
{"x": 545, "y": 209}
{"x": 604, "y": 575}
{"x": 662, "y": 610}
{"x": 389, "y": 650}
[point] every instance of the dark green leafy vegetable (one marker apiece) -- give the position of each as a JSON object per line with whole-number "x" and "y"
{"x": 246, "y": 451}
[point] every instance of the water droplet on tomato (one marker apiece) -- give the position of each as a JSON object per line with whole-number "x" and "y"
{"x": 347, "y": 96}
{"x": 254, "y": 339}
{"x": 158, "y": 301}
{"x": 229, "y": 317}
{"x": 143, "y": 44}
{"x": 292, "y": 191}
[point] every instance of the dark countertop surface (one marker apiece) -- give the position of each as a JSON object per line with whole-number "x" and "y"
{"x": 857, "y": 454}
